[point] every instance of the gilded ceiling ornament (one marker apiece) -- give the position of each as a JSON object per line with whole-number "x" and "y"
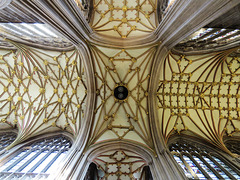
{"x": 121, "y": 106}
{"x": 42, "y": 89}
{"x": 120, "y": 164}
{"x": 199, "y": 105}
{"x": 124, "y": 19}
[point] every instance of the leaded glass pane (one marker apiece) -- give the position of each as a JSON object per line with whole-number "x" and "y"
{"x": 54, "y": 166}
{"x": 19, "y": 164}
{"x": 194, "y": 168}
{"x": 31, "y": 164}
{"x": 45, "y": 162}
{"x": 226, "y": 167}
{"x": 199, "y": 163}
{"x": 37, "y": 160}
{"x": 204, "y": 166}
{"x": 218, "y": 169}
{"x": 185, "y": 169}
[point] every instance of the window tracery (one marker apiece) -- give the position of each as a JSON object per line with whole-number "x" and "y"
{"x": 36, "y": 160}
{"x": 208, "y": 38}
{"x": 202, "y": 163}
{"x": 6, "y": 138}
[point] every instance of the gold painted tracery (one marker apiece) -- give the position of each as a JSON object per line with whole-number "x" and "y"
{"x": 124, "y": 18}
{"x": 41, "y": 90}
{"x": 120, "y": 165}
{"x": 200, "y": 94}
{"x": 127, "y": 119}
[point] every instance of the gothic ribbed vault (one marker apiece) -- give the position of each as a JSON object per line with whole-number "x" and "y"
{"x": 181, "y": 73}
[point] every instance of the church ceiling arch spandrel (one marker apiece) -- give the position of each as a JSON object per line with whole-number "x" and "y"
{"x": 122, "y": 119}
{"x": 200, "y": 94}
{"x": 120, "y": 45}
{"x": 120, "y": 165}
{"x": 124, "y": 18}
{"x": 41, "y": 90}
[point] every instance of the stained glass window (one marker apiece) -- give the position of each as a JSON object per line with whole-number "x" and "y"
{"x": 36, "y": 160}
{"x": 201, "y": 163}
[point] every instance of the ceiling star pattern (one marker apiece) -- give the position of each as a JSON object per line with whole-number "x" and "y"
{"x": 41, "y": 90}
{"x": 200, "y": 94}
{"x": 124, "y": 18}
{"x": 122, "y": 43}
{"x": 120, "y": 165}
{"x": 122, "y": 119}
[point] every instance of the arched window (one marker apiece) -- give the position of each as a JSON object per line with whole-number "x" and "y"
{"x": 201, "y": 163}
{"x": 36, "y": 160}
{"x": 6, "y": 138}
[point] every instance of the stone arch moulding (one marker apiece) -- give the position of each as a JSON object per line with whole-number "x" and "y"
{"x": 171, "y": 170}
{"x": 161, "y": 53}
{"x": 96, "y": 150}
{"x": 82, "y": 136}
{"x": 156, "y": 163}
{"x": 76, "y": 153}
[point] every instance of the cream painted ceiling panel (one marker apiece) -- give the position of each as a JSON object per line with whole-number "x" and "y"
{"x": 200, "y": 94}
{"x": 41, "y": 90}
{"x": 121, "y": 18}
{"x": 128, "y": 118}
{"x": 120, "y": 165}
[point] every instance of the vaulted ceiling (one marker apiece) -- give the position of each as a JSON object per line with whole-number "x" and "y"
{"x": 100, "y": 45}
{"x": 200, "y": 94}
